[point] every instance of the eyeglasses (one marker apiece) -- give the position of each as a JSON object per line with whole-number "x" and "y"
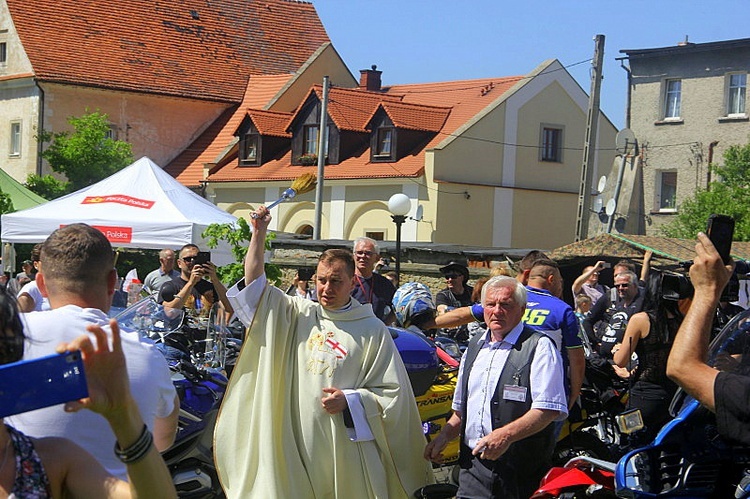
{"x": 626, "y": 285}
{"x": 363, "y": 253}
{"x": 451, "y": 276}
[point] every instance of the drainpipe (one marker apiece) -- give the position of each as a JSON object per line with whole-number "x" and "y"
{"x": 710, "y": 162}
{"x": 40, "y": 127}
{"x": 630, "y": 90}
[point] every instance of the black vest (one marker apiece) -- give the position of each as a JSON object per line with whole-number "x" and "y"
{"x": 532, "y": 455}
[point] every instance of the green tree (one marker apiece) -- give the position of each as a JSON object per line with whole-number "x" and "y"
{"x": 238, "y": 236}
{"x": 730, "y": 197}
{"x": 46, "y": 186}
{"x": 85, "y": 155}
{"x": 6, "y": 203}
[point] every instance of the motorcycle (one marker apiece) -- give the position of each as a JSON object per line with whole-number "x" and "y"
{"x": 687, "y": 458}
{"x": 198, "y": 376}
{"x": 591, "y": 429}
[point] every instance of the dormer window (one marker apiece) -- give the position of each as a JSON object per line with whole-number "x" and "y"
{"x": 249, "y": 145}
{"x": 310, "y": 145}
{"x": 384, "y": 147}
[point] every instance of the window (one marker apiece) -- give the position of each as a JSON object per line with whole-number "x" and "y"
{"x": 551, "y": 149}
{"x": 3, "y": 53}
{"x": 666, "y": 195}
{"x": 377, "y": 235}
{"x": 249, "y": 148}
{"x": 384, "y": 145}
{"x": 736, "y": 95}
{"x": 673, "y": 99}
{"x": 310, "y": 145}
{"x": 15, "y": 138}
{"x": 111, "y": 132}
{"x": 310, "y": 139}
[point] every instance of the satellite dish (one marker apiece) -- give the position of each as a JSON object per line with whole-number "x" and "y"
{"x": 598, "y": 204}
{"x": 611, "y": 206}
{"x": 625, "y": 141}
{"x": 602, "y": 184}
{"x": 419, "y": 213}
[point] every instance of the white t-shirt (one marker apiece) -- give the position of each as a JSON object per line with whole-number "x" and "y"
{"x": 150, "y": 383}
{"x": 40, "y": 302}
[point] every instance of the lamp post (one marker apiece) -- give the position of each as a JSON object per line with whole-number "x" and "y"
{"x": 399, "y": 205}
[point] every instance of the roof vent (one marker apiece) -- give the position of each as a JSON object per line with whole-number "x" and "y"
{"x": 194, "y": 15}
{"x": 684, "y": 43}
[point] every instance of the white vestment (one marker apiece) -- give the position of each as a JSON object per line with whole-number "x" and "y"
{"x": 273, "y": 438}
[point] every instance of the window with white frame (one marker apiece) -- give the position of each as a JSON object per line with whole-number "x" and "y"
{"x": 15, "y": 138}
{"x": 551, "y": 146}
{"x": 666, "y": 190}
{"x": 672, "y": 99}
{"x": 384, "y": 145}
{"x": 736, "y": 94}
{"x": 310, "y": 140}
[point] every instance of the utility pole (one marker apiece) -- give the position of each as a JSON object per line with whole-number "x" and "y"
{"x": 589, "y": 145}
{"x": 322, "y": 146}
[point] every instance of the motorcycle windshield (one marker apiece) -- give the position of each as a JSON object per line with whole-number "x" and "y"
{"x": 729, "y": 351}
{"x": 148, "y": 317}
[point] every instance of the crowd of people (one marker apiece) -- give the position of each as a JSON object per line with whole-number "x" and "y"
{"x": 318, "y": 404}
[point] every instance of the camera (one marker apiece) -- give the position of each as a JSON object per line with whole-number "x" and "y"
{"x": 202, "y": 257}
{"x": 305, "y": 273}
{"x": 676, "y": 286}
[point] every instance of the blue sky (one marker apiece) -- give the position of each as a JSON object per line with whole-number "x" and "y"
{"x": 418, "y": 41}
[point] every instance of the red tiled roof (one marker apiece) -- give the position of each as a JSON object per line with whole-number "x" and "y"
{"x": 416, "y": 116}
{"x": 205, "y": 50}
{"x": 187, "y": 167}
{"x": 270, "y": 122}
{"x": 354, "y": 108}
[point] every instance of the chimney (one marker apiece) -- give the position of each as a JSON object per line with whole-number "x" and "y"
{"x": 369, "y": 79}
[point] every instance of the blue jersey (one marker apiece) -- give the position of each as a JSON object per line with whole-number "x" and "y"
{"x": 553, "y": 317}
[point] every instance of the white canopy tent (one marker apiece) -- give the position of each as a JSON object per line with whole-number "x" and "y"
{"x": 141, "y": 206}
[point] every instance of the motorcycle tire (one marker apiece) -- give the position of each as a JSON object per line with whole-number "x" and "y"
{"x": 577, "y": 444}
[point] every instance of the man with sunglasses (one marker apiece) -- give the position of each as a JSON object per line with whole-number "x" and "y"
{"x": 190, "y": 290}
{"x": 457, "y": 294}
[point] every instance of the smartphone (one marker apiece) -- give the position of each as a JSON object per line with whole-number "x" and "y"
{"x": 720, "y": 229}
{"x": 202, "y": 257}
{"x": 306, "y": 273}
{"x": 27, "y": 385}
{"x": 607, "y": 265}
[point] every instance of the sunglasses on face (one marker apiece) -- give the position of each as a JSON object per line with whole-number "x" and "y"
{"x": 189, "y": 259}
{"x": 451, "y": 276}
{"x": 622, "y": 285}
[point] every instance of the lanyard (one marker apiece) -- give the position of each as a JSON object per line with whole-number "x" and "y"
{"x": 364, "y": 291}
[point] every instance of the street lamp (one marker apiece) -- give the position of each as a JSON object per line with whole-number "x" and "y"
{"x": 399, "y": 205}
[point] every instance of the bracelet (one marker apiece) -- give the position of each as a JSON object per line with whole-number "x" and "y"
{"x": 138, "y": 450}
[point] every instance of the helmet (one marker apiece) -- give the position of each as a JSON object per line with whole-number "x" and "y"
{"x": 413, "y": 304}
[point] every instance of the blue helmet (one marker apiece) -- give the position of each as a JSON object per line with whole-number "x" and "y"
{"x": 413, "y": 304}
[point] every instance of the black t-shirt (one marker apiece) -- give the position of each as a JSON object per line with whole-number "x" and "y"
{"x": 614, "y": 320}
{"x": 376, "y": 290}
{"x": 202, "y": 289}
{"x": 446, "y": 297}
{"x": 732, "y": 399}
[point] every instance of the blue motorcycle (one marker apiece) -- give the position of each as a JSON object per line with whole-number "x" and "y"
{"x": 688, "y": 457}
{"x": 199, "y": 376}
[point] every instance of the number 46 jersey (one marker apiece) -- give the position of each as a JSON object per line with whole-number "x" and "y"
{"x": 553, "y": 317}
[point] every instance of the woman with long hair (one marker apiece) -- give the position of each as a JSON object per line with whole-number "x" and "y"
{"x": 650, "y": 335}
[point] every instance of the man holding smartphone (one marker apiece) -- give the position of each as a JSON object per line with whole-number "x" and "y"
{"x": 190, "y": 290}
{"x": 725, "y": 393}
